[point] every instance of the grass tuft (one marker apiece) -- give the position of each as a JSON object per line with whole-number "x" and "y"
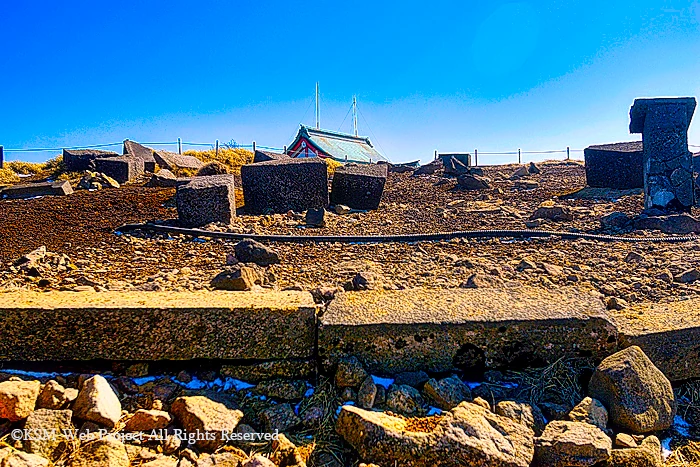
{"x": 559, "y": 382}
{"x": 233, "y": 158}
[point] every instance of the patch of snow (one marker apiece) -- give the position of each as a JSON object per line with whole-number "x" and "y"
{"x": 666, "y": 448}
{"x": 34, "y": 374}
{"x": 472, "y": 384}
{"x": 237, "y": 384}
{"x": 681, "y": 426}
{"x": 143, "y": 380}
{"x": 434, "y": 411}
{"x": 309, "y": 392}
{"x": 385, "y": 382}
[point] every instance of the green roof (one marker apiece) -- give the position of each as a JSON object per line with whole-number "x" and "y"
{"x": 341, "y": 146}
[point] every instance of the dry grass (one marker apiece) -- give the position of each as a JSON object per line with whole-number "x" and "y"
{"x": 687, "y": 455}
{"x": 7, "y": 176}
{"x": 230, "y": 157}
{"x": 332, "y": 165}
{"x": 558, "y": 382}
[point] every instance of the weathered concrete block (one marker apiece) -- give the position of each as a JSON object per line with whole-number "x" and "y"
{"x": 667, "y": 332}
{"x": 619, "y": 165}
{"x": 79, "y": 160}
{"x": 157, "y": 325}
{"x": 439, "y": 330}
{"x": 282, "y": 185}
{"x": 668, "y": 166}
{"x": 173, "y": 162}
{"x": 264, "y": 156}
{"x": 206, "y": 199}
{"x": 359, "y": 186}
{"x": 144, "y": 153}
{"x": 30, "y": 190}
{"x": 122, "y": 169}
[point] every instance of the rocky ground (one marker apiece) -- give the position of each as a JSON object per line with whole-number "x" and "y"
{"x": 81, "y": 227}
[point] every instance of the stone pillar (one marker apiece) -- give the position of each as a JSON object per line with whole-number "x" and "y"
{"x": 668, "y": 165}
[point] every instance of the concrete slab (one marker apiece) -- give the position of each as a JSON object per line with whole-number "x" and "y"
{"x": 156, "y": 325}
{"x": 30, "y": 190}
{"x": 669, "y": 333}
{"x": 437, "y": 330}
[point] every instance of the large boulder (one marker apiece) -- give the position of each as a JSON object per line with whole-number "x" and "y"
{"x": 278, "y": 186}
{"x": 203, "y": 415}
{"x": 466, "y": 435}
{"x": 359, "y": 186}
{"x": 529, "y": 415}
{"x": 572, "y": 444}
{"x": 80, "y": 160}
{"x": 147, "y": 420}
{"x": 206, "y": 199}
{"x": 18, "y": 398}
{"x": 638, "y": 396}
{"x": 54, "y": 396}
{"x": 97, "y": 402}
{"x": 121, "y": 169}
{"x": 134, "y": 149}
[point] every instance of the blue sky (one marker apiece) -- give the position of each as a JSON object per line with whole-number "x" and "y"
{"x": 451, "y": 76}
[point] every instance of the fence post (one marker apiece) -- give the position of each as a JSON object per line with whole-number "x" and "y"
{"x": 217, "y": 148}
{"x": 435, "y": 155}
{"x": 253, "y": 146}
{"x": 2, "y": 157}
{"x": 476, "y": 158}
{"x": 285, "y": 149}
{"x": 179, "y": 146}
{"x": 519, "y": 160}
{"x": 567, "y": 153}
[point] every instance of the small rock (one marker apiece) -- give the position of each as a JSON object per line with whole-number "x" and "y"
{"x": 350, "y": 373}
{"x": 147, "y": 420}
{"x": 18, "y": 399}
{"x": 519, "y": 173}
{"x": 528, "y": 415}
{"x": 258, "y": 461}
{"x": 279, "y": 417}
{"x": 56, "y": 423}
{"x": 481, "y": 402}
{"x": 99, "y": 451}
{"x": 533, "y": 169}
{"x": 481, "y": 281}
{"x": 97, "y": 402}
{"x": 447, "y": 393}
{"x": 616, "y": 303}
{"x": 341, "y": 209}
{"x": 591, "y": 411}
{"x": 638, "y": 396}
{"x": 236, "y": 278}
{"x": 282, "y": 389}
{"x": 473, "y": 182}
{"x": 404, "y": 400}
{"x": 572, "y": 444}
{"x": 316, "y": 217}
{"x": 367, "y": 393}
{"x": 648, "y": 454}
{"x": 203, "y": 415}
{"x": 688, "y": 276}
{"x": 554, "y": 411}
{"x": 634, "y": 257}
{"x": 554, "y": 213}
{"x": 22, "y": 459}
{"x": 164, "y": 178}
{"x": 286, "y": 454}
{"x": 525, "y": 264}
{"x": 250, "y": 251}
{"x": 623, "y": 440}
{"x": 614, "y": 220}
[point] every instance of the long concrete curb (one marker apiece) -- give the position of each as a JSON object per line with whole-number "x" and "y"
{"x": 278, "y": 334}
{"x": 436, "y": 330}
{"x": 157, "y": 326}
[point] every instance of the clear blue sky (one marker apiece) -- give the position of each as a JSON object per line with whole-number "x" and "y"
{"x": 451, "y": 76}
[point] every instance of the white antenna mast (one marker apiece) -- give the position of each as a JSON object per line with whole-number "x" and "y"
{"x": 318, "y": 110}
{"x": 354, "y": 115}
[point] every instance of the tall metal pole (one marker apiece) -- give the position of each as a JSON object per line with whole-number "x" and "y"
{"x": 217, "y": 148}
{"x": 179, "y": 146}
{"x": 354, "y": 115}
{"x": 2, "y": 157}
{"x": 519, "y": 160}
{"x": 476, "y": 158}
{"x": 318, "y": 110}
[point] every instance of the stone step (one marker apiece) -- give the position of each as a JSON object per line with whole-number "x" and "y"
{"x": 30, "y": 190}
{"x": 57, "y": 326}
{"x": 435, "y": 330}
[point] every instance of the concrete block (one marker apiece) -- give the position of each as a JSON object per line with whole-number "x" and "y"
{"x": 359, "y": 186}
{"x": 59, "y": 326}
{"x": 80, "y": 160}
{"x": 173, "y": 162}
{"x": 30, "y": 190}
{"x": 144, "y": 153}
{"x": 279, "y": 186}
{"x": 619, "y": 165}
{"x": 204, "y": 200}
{"x": 264, "y": 156}
{"x": 440, "y": 330}
{"x": 122, "y": 169}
